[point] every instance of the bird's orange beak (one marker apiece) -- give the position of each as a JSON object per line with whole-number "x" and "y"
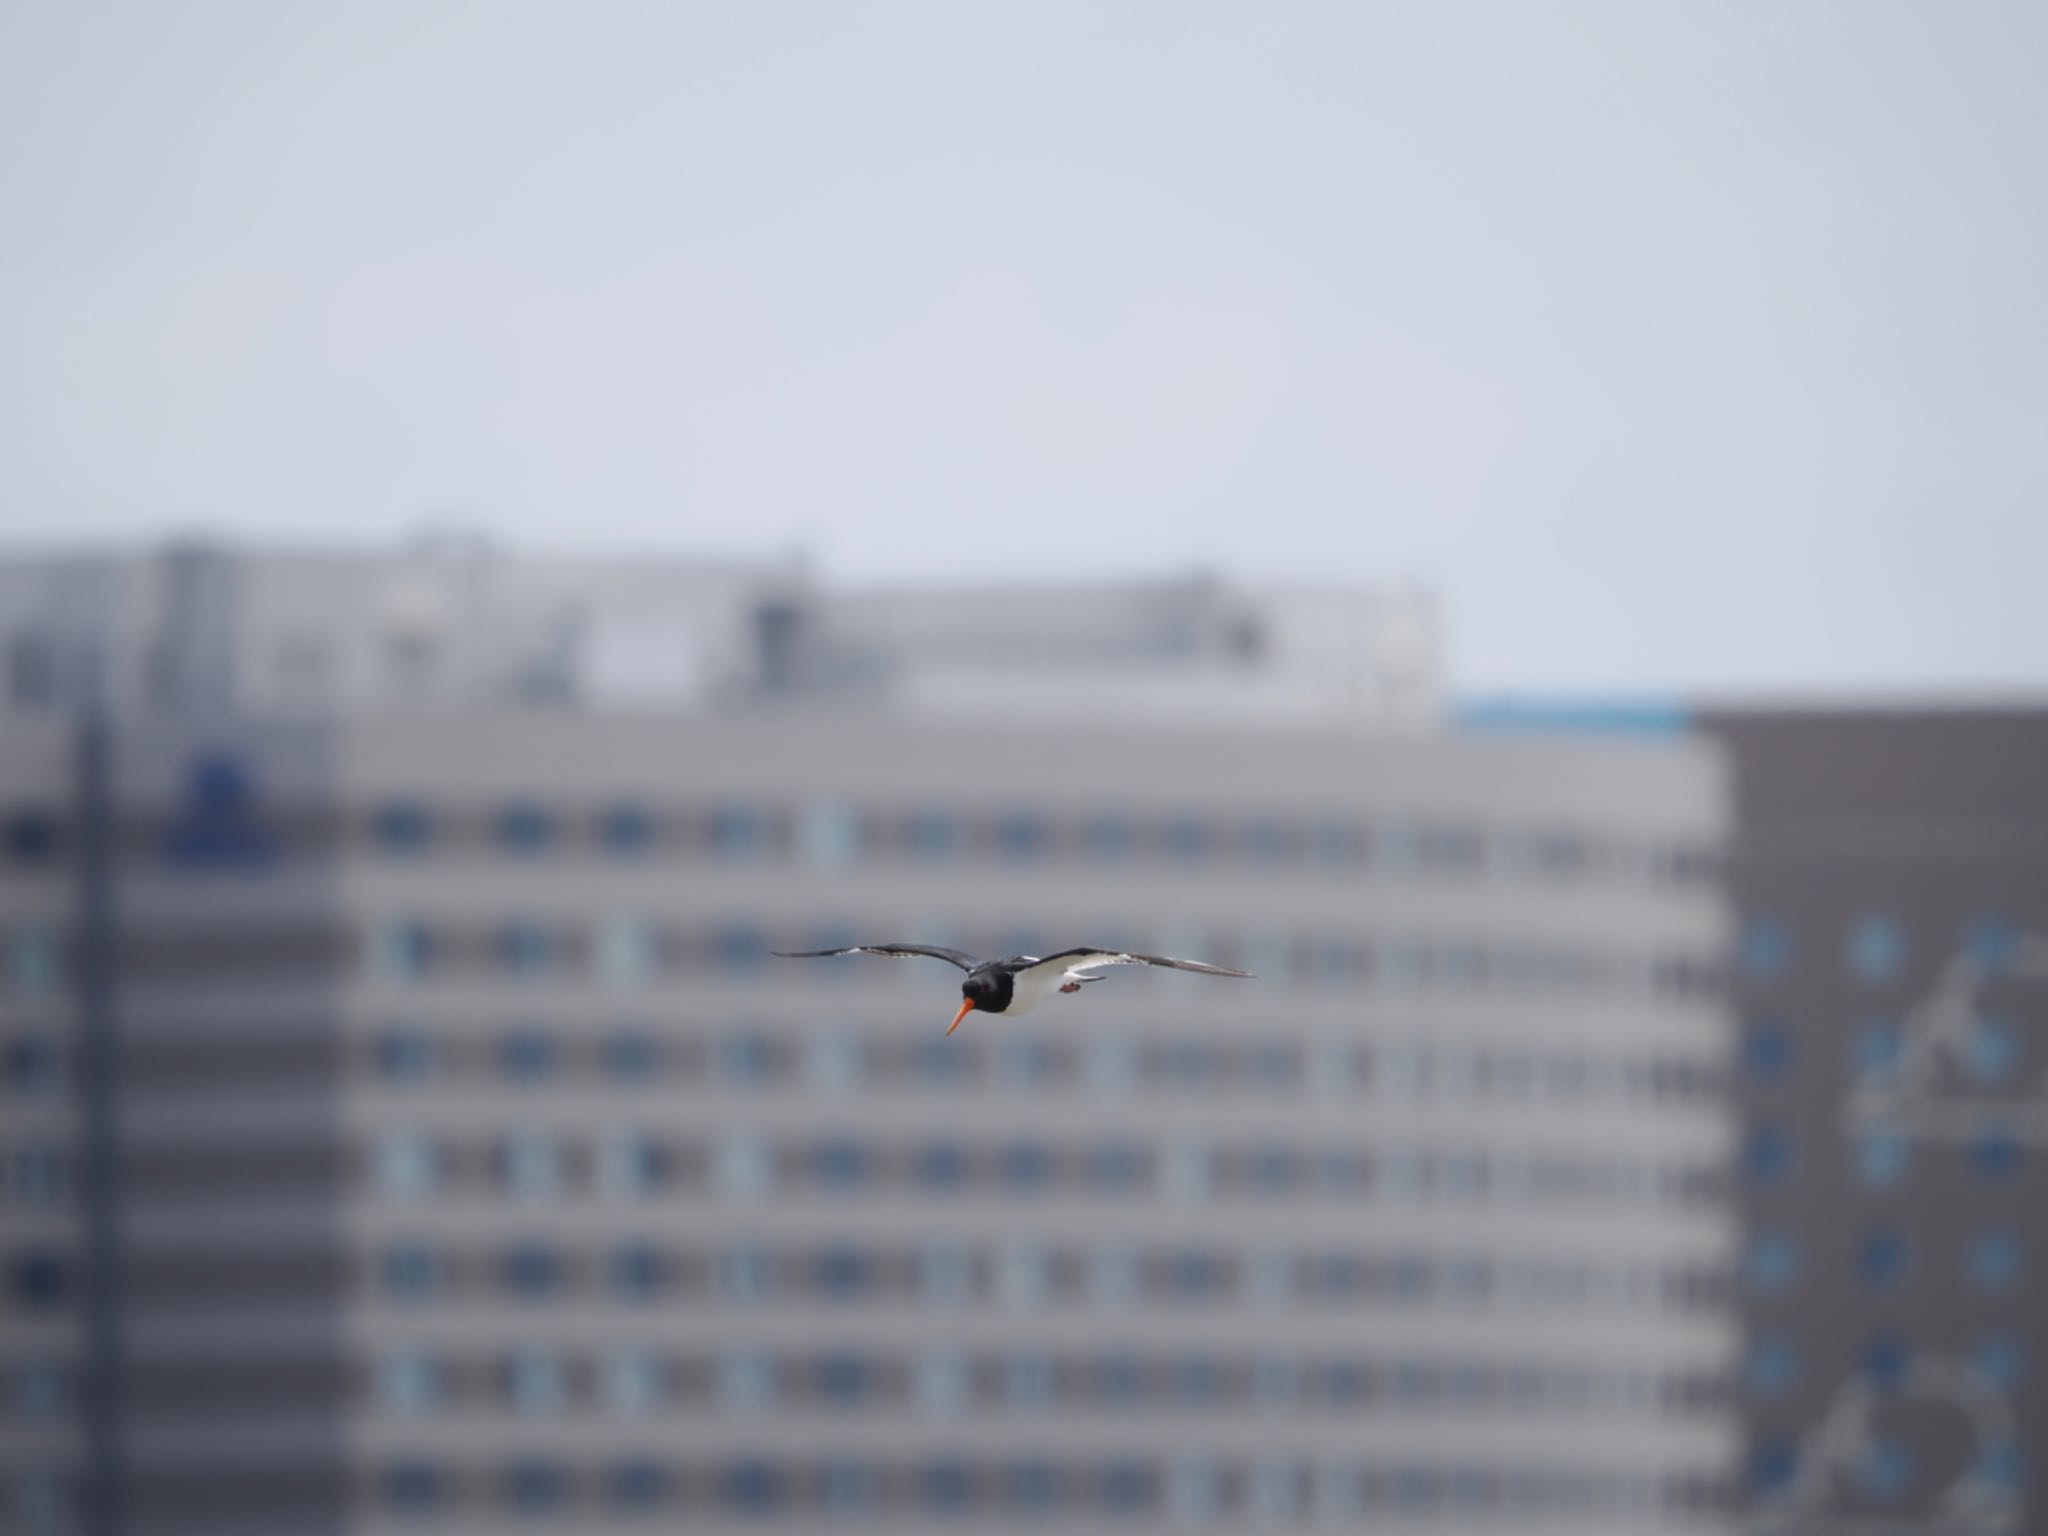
{"x": 966, "y": 1007}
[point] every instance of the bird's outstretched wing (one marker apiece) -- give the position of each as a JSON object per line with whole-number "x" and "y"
{"x": 965, "y": 961}
{"x": 1087, "y": 959}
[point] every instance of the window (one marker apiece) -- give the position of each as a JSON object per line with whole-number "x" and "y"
{"x": 524, "y": 949}
{"x": 1021, "y": 836}
{"x": 1883, "y": 1261}
{"x": 530, "y": 1165}
{"x": 746, "y": 1275}
{"x": 1884, "y": 1470}
{"x": 409, "y": 1272}
{"x": 629, "y": 1164}
{"x": 1993, "y": 1262}
{"x": 1991, "y": 941}
{"x": 1768, "y": 1156}
{"x": 1023, "y": 1275}
{"x": 940, "y": 1384}
{"x": 752, "y": 1488}
{"x": 1110, "y": 1065}
{"x": 945, "y": 1487}
{"x": 939, "y": 1166}
{"x": 1878, "y": 1051}
{"x": 931, "y": 837}
{"x": 31, "y": 962}
{"x": 626, "y": 831}
{"x": 1022, "y": 1063}
{"x": 938, "y": 1063}
{"x": 39, "y": 1174}
{"x": 635, "y": 1381}
{"x": 744, "y": 1382}
{"x": 1028, "y": 1381}
{"x": 849, "y": 1490}
{"x": 401, "y": 949}
{"x": 829, "y": 835}
{"x": 35, "y": 1391}
{"x": 402, "y": 828}
{"x": 535, "y": 1382}
{"x": 407, "y": 1056}
{"x": 1025, "y": 1167}
{"x": 1185, "y": 1172}
{"x": 35, "y": 1069}
{"x": 1771, "y": 1264}
{"x": 408, "y": 1164}
{"x": 1767, "y": 1051}
{"x": 1998, "y": 1358}
{"x": 1993, "y": 1157}
{"x": 631, "y": 1056}
{"x": 636, "y": 1272}
{"x": 842, "y": 1274}
{"x": 524, "y": 830}
{"x": 412, "y": 1486}
{"x": 531, "y": 1271}
{"x": 638, "y": 1484}
{"x": 741, "y": 1168}
{"x": 627, "y": 952}
{"x": 532, "y": 1486}
{"x": 1881, "y": 1159}
{"x": 739, "y": 834}
{"x": 840, "y": 1166}
{"x": 528, "y": 1057}
{"x": 945, "y": 1274}
{"x": 743, "y": 1060}
{"x": 1765, "y": 950}
{"x": 738, "y": 949}
{"x": 1109, "y": 837}
{"x": 1874, "y": 949}
{"x": 1188, "y": 839}
{"x": 1885, "y": 1361}
{"x": 1116, "y": 1167}
{"x": 834, "y": 1064}
{"x": 1991, "y": 1053}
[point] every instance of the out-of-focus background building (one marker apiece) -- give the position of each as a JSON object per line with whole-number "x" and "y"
{"x": 466, "y": 1155}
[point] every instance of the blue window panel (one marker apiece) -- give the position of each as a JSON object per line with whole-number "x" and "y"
{"x": 849, "y": 1490}
{"x": 1879, "y": 1051}
{"x": 525, "y": 829}
{"x": 945, "y": 1487}
{"x": 630, "y": 1164}
{"x": 744, "y": 1061}
{"x": 631, "y": 1057}
{"x": 1273, "y": 1170}
{"x": 1991, "y": 941}
{"x": 945, "y": 1274}
{"x": 1769, "y": 1155}
{"x": 409, "y": 1272}
{"x": 939, "y": 1166}
{"x": 1196, "y": 1381}
{"x": 842, "y": 1274}
{"x": 1884, "y": 1470}
{"x": 626, "y": 831}
{"x": 1771, "y": 1263}
{"x": 1268, "y": 844}
{"x": 1109, "y": 837}
{"x": 402, "y": 827}
{"x": 216, "y": 827}
{"x": 535, "y": 1487}
{"x": 412, "y": 1486}
{"x": 1273, "y": 1066}
{"x": 407, "y": 1056}
{"x": 939, "y": 1062}
{"x": 1030, "y": 1488}
{"x": 2000, "y": 1359}
{"x": 1338, "y": 847}
{"x": 1875, "y": 949}
{"x": 1193, "y": 1274}
{"x": 1885, "y": 1361}
{"x": 35, "y": 1067}
{"x": 1767, "y": 1051}
{"x": 843, "y": 1381}
{"x": 1025, "y": 1167}
{"x": 739, "y": 834}
{"x": 402, "y": 949}
{"x": 1028, "y": 1381}
{"x": 1022, "y": 1063}
{"x": 531, "y": 1271}
{"x": 752, "y": 1488}
{"x": 638, "y": 1485}
{"x": 1765, "y": 950}
{"x": 524, "y": 949}
{"x": 2001, "y": 1466}
{"x": 830, "y": 835}
{"x": 1882, "y": 1158}
{"x": 1116, "y": 1381}
{"x": 1772, "y": 1465}
{"x": 1884, "y": 1262}
{"x": 31, "y": 837}
{"x": 535, "y": 1382}
{"x": 1022, "y": 836}
{"x": 1116, "y": 1167}
{"x": 840, "y": 1166}
{"x": 1188, "y": 839}
{"x": 1127, "y": 1487}
{"x": 528, "y": 1057}
{"x": 410, "y": 1382}
{"x": 746, "y": 1275}
{"x": 1991, "y": 1052}
{"x": 637, "y": 1272}
{"x": 738, "y": 949}
{"x": 1994, "y": 1261}
{"x": 1993, "y": 1156}
{"x": 932, "y": 837}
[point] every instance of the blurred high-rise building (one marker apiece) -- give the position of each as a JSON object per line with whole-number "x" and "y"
{"x": 406, "y": 1122}
{"x": 1892, "y": 871}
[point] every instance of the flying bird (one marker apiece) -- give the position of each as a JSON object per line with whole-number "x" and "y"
{"x": 1019, "y": 983}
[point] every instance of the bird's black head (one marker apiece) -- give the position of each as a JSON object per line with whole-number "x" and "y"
{"x": 987, "y": 989}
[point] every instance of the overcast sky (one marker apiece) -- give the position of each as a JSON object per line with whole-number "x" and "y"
{"x": 1675, "y": 346}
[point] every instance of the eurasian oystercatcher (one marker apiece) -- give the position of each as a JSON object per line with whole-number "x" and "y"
{"x": 1019, "y": 983}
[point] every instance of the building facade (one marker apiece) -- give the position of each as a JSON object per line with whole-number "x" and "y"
{"x": 468, "y": 1159}
{"x": 1892, "y": 978}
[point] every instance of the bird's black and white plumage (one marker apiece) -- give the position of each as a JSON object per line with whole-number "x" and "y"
{"x": 1017, "y": 983}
